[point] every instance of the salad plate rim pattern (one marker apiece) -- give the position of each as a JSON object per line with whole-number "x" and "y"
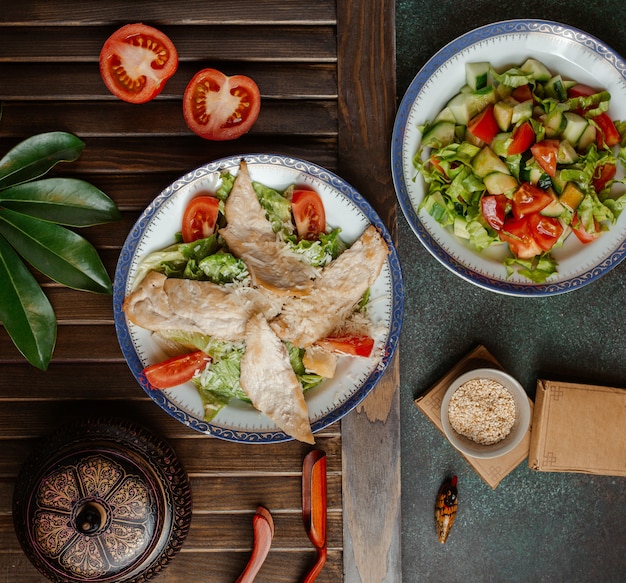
{"x": 461, "y": 268}
{"x": 133, "y": 240}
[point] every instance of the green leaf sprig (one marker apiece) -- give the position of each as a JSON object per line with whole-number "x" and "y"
{"x": 34, "y": 215}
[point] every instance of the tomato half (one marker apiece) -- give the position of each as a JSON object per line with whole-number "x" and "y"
{"x": 517, "y": 233}
{"x": 529, "y": 199}
{"x": 308, "y": 213}
{"x": 523, "y": 138}
{"x": 493, "y": 208}
{"x": 351, "y": 345}
{"x": 484, "y": 125}
{"x": 545, "y": 230}
{"x": 176, "y": 370}
{"x": 200, "y": 218}
{"x": 218, "y": 107}
{"x": 136, "y": 61}
{"x": 546, "y": 152}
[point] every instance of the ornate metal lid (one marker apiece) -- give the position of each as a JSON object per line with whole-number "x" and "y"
{"x": 102, "y": 500}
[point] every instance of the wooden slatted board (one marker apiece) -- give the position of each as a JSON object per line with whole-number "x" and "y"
{"x": 326, "y": 74}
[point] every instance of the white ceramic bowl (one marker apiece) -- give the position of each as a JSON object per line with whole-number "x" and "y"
{"x": 520, "y": 425}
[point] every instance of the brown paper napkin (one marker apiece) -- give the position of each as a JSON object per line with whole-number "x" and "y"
{"x": 492, "y": 471}
{"x": 579, "y": 428}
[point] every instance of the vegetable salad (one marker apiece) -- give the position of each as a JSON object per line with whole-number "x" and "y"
{"x": 524, "y": 158}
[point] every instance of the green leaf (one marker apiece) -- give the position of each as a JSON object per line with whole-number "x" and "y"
{"x": 66, "y": 201}
{"x": 25, "y": 310}
{"x": 36, "y": 155}
{"x": 57, "y": 252}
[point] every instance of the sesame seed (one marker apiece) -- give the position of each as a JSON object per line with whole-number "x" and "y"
{"x": 482, "y": 410}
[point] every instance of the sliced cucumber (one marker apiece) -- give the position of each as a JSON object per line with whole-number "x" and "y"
{"x": 499, "y": 183}
{"x": 439, "y": 135}
{"x": 587, "y": 138}
{"x": 465, "y": 106}
{"x": 566, "y": 153}
{"x": 555, "y": 88}
{"x": 558, "y": 183}
{"x": 554, "y": 209}
{"x": 554, "y": 123}
{"x": 444, "y": 115}
{"x": 522, "y": 111}
{"x": 575, "y": 127}
{"x": 537, "y": 69}
{"x": 486, "y": 162}
{"x": 477, "y": 74}
{"x": 503, "y": 112}
{"x": 500, "y": 144}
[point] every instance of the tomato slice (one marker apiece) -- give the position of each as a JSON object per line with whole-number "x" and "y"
{"x": 608, "y": 134}
{"x": 517, "y": 233}
{"x": 546, "y": 152}
{"x": 200, "y": 218}
{"x": 136, "y": 61}
{"x": 603, "y": 174}
{"x": 522, "y": 93}
{"x": 218, "y": 107}
{"x": 581, "y": 234}
{"x": 493, "y": 207}
{"x": 484, "y": 125}
{"x": 351, "y": 345}
{"x": 545, "y": 230}
{"x": 529, "y": 199}
{"x": 308, "y": 213}
{"x": 523, "y": 138}
{"x": 176, "y": 370}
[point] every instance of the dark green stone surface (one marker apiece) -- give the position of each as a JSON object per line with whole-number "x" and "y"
{"x": 534, "y": 526}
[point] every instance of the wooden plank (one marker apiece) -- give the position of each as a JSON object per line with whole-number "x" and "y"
{"x": 372, "y": 529}
{"x": 280, "y": 567}
{"x": 247, "y": 12}
{"x": 193, "y": 43}
{"x": 181, "y": 154}
{"x": 82, "y": 81}
{"x": 86, "y": 119}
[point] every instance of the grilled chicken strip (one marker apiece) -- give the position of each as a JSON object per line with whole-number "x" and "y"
{"x": 162, "y": 303}
{"x": 250, "y": 236}
{"x": 270, "y": 382}
{"x": 307, "y": 319}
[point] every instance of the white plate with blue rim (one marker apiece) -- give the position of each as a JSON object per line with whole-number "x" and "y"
{"x": 567, "y": 51}
{"x": 327, "y": 402}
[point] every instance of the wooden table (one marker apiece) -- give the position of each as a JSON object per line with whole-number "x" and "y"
{"x": 327, "y": 76}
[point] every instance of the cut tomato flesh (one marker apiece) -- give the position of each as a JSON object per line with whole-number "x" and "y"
{"x": 545, "y": 153}
{"x": 523, "y": 138}
{"x": 484, "y": 125}
{"x": 517, "y": 233}
{"x": 200, "y": 218}
{"x": 529, "y": 199}
{"x": 493, "y": 208}
{"x": 176, "y": 370}
{"x": 608, "y": 134}
{"x": 218, "y": 107}
{"x": 136, "y": 61}
{"x": 545, "y": 230}
{"x": 351, "y": 345}
{"x": 308, "y": 213}
{"x": 581, "y": 233}
{"x": 603, "y": 174}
